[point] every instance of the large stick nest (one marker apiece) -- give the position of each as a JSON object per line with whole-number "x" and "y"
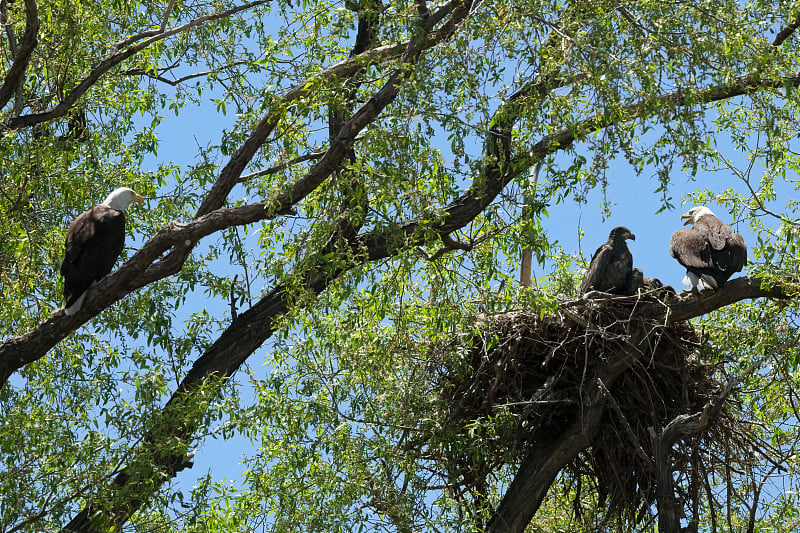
{"x": 521, "y": 380}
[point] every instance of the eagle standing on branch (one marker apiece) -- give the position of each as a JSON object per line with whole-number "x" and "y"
{"x": 710, "y": 251}
{"x": 94, "y": 241}
{"x": 611, "y": 268}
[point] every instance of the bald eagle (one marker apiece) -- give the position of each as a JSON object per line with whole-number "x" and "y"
{"x": 94, "y": 241}
{"x": 710, "y": 251}
{"x": 611, "y": 268}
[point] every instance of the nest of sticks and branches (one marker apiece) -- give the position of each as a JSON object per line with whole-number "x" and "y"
{"x": 522, "y": 379}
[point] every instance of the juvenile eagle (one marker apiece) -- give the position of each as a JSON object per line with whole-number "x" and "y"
{"x": 611, "y": 268}
{"x": 710, "y": 251}
{"x": 94, "y": 241}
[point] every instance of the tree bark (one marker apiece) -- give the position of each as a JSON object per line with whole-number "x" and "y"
{"x": 16, "y": 74}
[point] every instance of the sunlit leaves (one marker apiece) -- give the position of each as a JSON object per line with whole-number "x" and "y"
{"x": 342, "y": 406}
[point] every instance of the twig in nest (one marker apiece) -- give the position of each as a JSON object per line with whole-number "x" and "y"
{"x": 628, "y": 429}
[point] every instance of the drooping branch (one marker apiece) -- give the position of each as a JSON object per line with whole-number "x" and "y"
{"x": 158, "y": 74}
{"x": 16, "y": 74}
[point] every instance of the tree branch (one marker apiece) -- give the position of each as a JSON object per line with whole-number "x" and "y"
{"x": 229, "y": 176}
{"x": 733, "y": 291}
{"x": 788, "y": 30}
{"x": 277, "y": 168}
{"x": 152, "y": 73}
{"x": 16, "y": 74}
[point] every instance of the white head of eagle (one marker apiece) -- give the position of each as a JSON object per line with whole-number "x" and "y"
{"x": 710, "y": 250}
{"x": 94, "y": 241}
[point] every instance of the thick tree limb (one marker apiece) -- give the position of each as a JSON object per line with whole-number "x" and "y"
{"x": 788, "y": 30}
{"x": 16, "y": 74}
{"x": 735, "y": 290}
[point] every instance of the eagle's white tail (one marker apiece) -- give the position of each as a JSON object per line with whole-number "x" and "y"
{"x": 75, "y": 307}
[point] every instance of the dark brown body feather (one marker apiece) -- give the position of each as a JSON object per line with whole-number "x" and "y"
{"x": 94, "y": 241}
{"x": 611, "y": 267}
{"x": 710, "y": 250}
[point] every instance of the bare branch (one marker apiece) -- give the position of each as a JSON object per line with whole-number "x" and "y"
{"x": 151, "y": 73}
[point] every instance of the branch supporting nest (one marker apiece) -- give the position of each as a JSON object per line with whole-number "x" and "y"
{"x": 614, "y": 370}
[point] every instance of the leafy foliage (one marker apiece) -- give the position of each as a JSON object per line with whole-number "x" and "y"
{"x": 353, "y": 182}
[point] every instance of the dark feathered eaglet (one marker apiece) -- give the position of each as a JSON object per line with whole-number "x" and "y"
{"x": 94, "y": 241}
{"x": 710, "y": 251}
{"x": 611, "y": 268}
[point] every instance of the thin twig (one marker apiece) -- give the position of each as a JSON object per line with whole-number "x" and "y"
{"x": 313, "y": 156}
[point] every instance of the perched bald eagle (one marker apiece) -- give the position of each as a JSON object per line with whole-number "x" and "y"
{"x": 94, "y": 241}
{"x": 710, "y": 251}
{"x": 611, "y": 268}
